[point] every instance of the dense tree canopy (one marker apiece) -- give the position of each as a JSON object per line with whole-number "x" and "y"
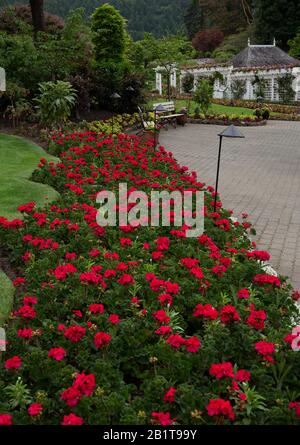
{"x": 276, "y": 18}
{"x": 160, "y": 17}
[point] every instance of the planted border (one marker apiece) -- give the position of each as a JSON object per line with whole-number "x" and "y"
{"x": 137, "y": 325}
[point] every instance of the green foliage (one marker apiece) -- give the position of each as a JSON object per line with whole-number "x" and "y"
{"x": 203, "y": 95}
{"x": 285, "y": 88}
{"x": 187, "y": 83}
{"x": 259, "y": 84}
{"x": 231, "y": 46}
{"x": 294, "y": 45}
{"x": 55, "y": 102}
{"x": 161, "y": 17}
{"x": 276, "y": 18}
{"x": 108, "y": 27}
{"x": 238, "y": 88}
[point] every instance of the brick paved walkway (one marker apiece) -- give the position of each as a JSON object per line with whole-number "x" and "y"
{"x": 260, "y": 175}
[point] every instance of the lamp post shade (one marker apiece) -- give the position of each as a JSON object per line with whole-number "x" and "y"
{"x": 115, "y": 96}
{"x": 231, "y": 132}
{"x": 130, "y": 89}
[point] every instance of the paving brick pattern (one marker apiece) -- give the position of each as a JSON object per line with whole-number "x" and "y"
{"x": 260, "y": 175}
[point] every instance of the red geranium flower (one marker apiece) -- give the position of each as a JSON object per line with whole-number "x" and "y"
{"x": 35, "y": 409}
{"x": 101, "y": 339}
{"x": 217, "y": 407}
{"x": 57, "y": 354}
{"x": 222, "y": 370}
{"x": 13, "y": 363}
{"x": 6, "y": 419}
{"x": 72, "y": 419}
{"x": 163, "y": 418}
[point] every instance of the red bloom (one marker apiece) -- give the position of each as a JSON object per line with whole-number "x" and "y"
{"x": 243, "y": 293}
{"x": 75, "y": 333}
{"x": 257, "y": 320}
{"x": 57, "y": 354}
{"x": 85, "y": 384}
{"x": 242, "y": 375}
{"x": 26, "y": 208}
{"x": 261, "y": 255}
{"x": 25, "y": 333}
{"x": 162, "y": 243}
{"x": 71, "y": 396}
{"x": 6, "y": 419}
{"x": 72, "y": 419}
{"x": 205, "y": 311}
{"x": 26, "y": 312}
{"x": 229, "y": 314}
{"x": 165, "y": 299}
{"x": 163, "y": 418}
{"x": 161, "y": 316}
{"x": 18, "y": 281}
{"x": 292, "y": 405}
{"x": 126, "y": 279}
{"x": 222, "y": 370}
{"x": 114, "y": 319}
{"x": 175, "y": 340}
{"x": 192, "y": 344}
{"x": 266, "y": 349}
{"x": 266, "y": 279}
{"x": 197, "y": 272}
{"x": 169, "y": 396}
{"x": 96, "y": 308}
{"x": 101, "y": 339}
{"x": 35, "y": 409}
{"x": 164, "y": 330}
{"x": 189, "y": 262}
{"x": 217, "y": 407}
{"x": 13, "y": 363}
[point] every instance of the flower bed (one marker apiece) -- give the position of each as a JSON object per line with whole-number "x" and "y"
{"x": 222, "y": 119}
{"x": 137, "y": 325}
{"x": 273, "y": 107}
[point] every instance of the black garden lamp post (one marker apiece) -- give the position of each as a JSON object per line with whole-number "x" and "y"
{"x": 114, "y": 97}
{"x": 159, "y": 109}
{"x": 233, "y": 133}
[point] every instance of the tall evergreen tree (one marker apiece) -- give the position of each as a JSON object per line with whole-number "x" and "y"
{"x": 194, "y": 19}
{"x": 276, "y": 18}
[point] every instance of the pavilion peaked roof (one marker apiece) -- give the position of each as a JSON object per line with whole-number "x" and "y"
{"x": 263, "y": 56}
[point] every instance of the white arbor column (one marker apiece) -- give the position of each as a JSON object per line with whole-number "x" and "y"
{"x": 2, "y": 80}
{"x": 273, "y": 92}
{"x": 158, "y": 82}
{"x": 173, "y": 79}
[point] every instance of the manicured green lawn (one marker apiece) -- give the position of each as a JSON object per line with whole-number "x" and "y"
{"x": 215, "y": 108}
{"x": 18, "y": 159}
{"x": 6, "y": 297}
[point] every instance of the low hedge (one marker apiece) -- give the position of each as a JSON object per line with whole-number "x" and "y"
{"x": 273, "y": 107}
{"x": 137, "y": 325}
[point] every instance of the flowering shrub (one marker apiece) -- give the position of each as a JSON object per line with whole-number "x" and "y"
{"x": 141, "y": 325}
{"x": 225, "y": 119}
{"x": 117, "y": 124}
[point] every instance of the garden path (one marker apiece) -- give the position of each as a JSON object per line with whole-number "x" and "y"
{"x": 259, "y": 175}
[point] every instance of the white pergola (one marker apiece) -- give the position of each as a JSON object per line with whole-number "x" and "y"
{"x": 159, "y": 71}
{"x": 268, "y": 62}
